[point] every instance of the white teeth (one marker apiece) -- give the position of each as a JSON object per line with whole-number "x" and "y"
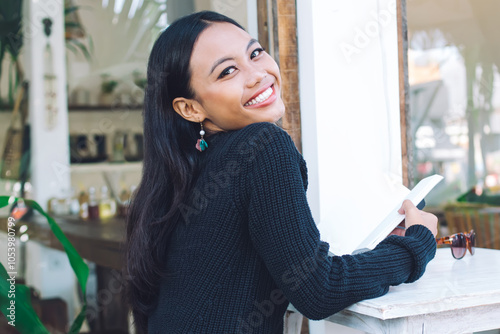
{"x": 261, "y": 98}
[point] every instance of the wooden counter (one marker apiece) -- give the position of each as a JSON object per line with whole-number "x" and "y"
{"x": 97, "y": 241}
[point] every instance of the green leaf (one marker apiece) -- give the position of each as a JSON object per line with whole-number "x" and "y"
{"x": 82, "y": 47}
{"x": 79, "y": 266}
{"x": 71, "y": 48}
{"x": 2, "y": 54}
{"x": 69, "y": 10}
{"x": 11, "y": 89}
{"x": 91, "y": 44}
{"x": 71, "y": 24}
{"x": 10, "y": 9}
{"x": 26, "y": 320}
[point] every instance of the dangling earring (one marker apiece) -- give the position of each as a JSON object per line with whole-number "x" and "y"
{"x": 201, "y": 144}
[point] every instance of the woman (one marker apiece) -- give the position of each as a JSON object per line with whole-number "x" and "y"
{"x": 220, "y": 237}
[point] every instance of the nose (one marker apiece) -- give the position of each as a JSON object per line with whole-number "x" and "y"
{"x": 256, "y": 75}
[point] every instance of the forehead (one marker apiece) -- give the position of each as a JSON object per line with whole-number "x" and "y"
{"x": 217, "y": 41}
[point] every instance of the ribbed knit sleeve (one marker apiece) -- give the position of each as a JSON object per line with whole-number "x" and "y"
{"x": 285, "y": 235}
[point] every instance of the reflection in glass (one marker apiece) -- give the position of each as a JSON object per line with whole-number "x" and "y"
{"x": 454, "y": 61}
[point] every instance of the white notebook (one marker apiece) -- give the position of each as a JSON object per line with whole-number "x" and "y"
{"x": 364, "y": 228}
{"x": 393, "y": 218}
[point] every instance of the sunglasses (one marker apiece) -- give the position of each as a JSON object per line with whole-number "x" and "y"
{"x": 459, "y": 243}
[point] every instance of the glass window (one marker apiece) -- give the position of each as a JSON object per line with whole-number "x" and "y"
{"x": 454, "y": 58}
{"x": 453, "y": 70}
{"x": 108, "y": 44}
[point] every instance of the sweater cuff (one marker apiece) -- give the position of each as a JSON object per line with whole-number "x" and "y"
{"x": 421, "y": 244}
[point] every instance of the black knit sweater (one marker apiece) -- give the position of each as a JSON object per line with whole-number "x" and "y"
{"x": 249, "y": 245}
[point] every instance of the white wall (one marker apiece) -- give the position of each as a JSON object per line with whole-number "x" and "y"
{"x": 49, "y": 147}
{"x": 48, "y": 270}
{"x": 349, "y": 110}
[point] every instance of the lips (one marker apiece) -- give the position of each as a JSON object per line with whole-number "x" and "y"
{"x": 262, "y": 97}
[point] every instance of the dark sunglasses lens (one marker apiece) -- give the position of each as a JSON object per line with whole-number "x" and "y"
{"x": 472, "y": 242}
{"x": 458, "y": 246}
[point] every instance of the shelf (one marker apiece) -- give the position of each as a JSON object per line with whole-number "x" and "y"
{"x": 6, "y": 108}
{"x": 73, "y": 108}
{"x": 106, "y": 167}
{"x": 104, "y": 108}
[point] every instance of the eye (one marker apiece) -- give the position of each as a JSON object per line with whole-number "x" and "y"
{"x": 227, "y": 71}
{"x": 256, "y": 52}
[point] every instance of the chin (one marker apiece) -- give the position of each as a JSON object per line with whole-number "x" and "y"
{"x": 275, "y": 116}
{"x": 280, "y": 112}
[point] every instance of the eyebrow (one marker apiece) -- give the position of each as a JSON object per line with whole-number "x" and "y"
{"x": 222, "y": 60}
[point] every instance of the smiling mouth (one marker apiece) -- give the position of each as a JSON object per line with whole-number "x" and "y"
{"x": 262, "y": 97}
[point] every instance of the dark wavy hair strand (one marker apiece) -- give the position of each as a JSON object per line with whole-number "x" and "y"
{"x": 170, "y": 162}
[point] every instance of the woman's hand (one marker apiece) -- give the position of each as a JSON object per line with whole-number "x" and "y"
{"x": 415, "y": 216}
{"x": 400, "y": 230}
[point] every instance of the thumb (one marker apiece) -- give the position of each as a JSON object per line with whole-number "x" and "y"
{"x": 408, "y": 208}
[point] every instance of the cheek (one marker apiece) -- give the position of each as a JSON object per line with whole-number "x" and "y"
{"x": 273, "y": 67}
{"x": 224, "y": 95}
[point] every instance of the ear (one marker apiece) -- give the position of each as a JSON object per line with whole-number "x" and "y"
{"x": 189, "y": 109}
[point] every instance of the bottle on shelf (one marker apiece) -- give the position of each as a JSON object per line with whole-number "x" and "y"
{"x": 93, "y": 204}
{"x": 125, "y": 197}
{"x": 118, "y": 146}
{"x": 107, "y": 206}
{"x": 83, "y": 200}
{"x": 59, "y": 205}
{"x": 74, "y": 204}
{"x": 124, "y": 202}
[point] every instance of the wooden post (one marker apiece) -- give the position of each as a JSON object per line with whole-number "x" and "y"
{"x": 262, "y": 19}
{"x": 404, "y": 103}
{"x": 278, "y": 34}
{"x": 288, "y": 60}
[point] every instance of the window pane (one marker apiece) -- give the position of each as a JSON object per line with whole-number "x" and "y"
{"x": 454, "y": 58}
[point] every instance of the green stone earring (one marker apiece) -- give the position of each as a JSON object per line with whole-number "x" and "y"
{"x": 201, "y": 144}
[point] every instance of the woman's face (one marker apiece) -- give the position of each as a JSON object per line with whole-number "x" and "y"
{"x": 235, "y": 81}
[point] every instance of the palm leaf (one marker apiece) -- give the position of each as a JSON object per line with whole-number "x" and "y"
{"x": 79, "y": 266}
{"x": 80, "y": 46}
{"x": 69, "y": 10}
{"x": 2, "y": 54}
{"x": 11, "y": 38}
{"x": 26, "y": 319}
{"x": 72, "y": 25}
{"x": 72, "y": 48}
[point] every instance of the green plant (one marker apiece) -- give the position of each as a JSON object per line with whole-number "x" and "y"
{"x": 26, "y": 320}
{"x": 11, "y": 42}
{"x": 109, "y": 86}
{"x": 74, "y": 31}
{"x": 139, "y": 79}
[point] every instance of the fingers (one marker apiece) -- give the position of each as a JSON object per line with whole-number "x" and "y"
{"x": 414, "y": 216}
{"x": 408, "y": 208}
{"x": 398, "y": 231}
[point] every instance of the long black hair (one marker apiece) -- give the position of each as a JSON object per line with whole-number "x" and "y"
{"x": 170, "y": 161}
